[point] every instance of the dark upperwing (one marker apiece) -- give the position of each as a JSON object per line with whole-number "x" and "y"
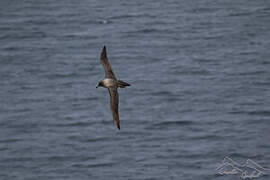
{"x": 114, "y": 105}
{"x": 106, "y": 64}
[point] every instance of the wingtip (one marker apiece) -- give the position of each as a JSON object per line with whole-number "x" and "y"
{"x": 118, "y": 125}
{"x": 104, "y": 54}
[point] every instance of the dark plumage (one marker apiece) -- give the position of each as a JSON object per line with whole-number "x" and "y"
{"x": 112, "y": 84}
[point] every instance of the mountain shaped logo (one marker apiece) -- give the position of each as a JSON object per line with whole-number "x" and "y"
{"x": 249, "y": 169}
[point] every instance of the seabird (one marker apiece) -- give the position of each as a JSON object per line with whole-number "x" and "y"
{"x": 112, "y": 84}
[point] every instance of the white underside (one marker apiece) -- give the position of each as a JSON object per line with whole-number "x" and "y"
{"x": 109, "y": 82}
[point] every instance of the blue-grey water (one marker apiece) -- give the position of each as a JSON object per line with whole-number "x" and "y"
{"x": 200, "y": 75}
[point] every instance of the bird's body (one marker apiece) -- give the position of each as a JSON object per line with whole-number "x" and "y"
{"x": 109, "y": 82}
{"x": 112, "y": 84}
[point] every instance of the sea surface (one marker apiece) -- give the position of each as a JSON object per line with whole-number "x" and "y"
{"x": 200, "y": 88}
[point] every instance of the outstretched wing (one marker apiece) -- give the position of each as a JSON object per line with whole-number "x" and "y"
{"x": 114, "y": 105}
{"x": 106, "y": 64}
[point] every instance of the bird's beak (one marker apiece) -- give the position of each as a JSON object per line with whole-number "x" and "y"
{"x": 97, "y": 86}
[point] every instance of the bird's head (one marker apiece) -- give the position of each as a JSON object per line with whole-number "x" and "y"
{"x": 100, "y": 84}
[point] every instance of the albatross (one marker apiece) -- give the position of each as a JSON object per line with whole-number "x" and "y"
{"x": 111, "y": 83}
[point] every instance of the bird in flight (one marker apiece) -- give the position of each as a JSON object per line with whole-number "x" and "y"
{"x": 111, "y": 83}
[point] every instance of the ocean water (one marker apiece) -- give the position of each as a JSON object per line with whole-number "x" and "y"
{"x": 200, "y": 76}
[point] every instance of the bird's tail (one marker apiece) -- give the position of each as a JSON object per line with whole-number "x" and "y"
{"x": 122, "y": 84}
